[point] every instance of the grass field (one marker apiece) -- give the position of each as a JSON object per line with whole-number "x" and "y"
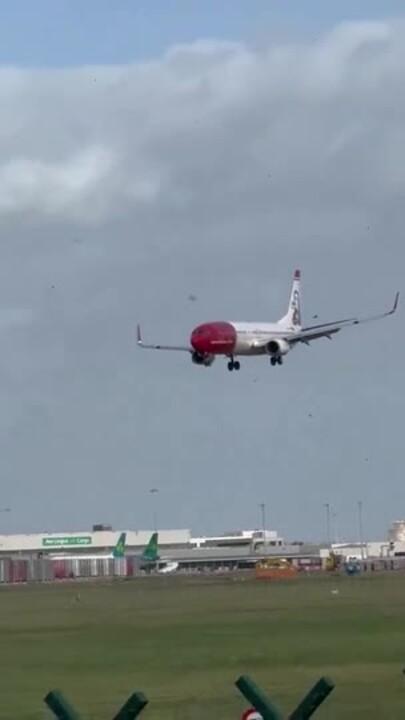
{"x": 184, "y": 642}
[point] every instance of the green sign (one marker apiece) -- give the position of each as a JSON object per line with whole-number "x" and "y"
{"x": 63, "y": 541}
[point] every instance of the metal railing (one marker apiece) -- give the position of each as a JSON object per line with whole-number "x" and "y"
{"x": 257, "y": 698}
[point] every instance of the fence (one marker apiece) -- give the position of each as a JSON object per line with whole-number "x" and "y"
{"x": 22, "y": 571}
{"x": 25, "y": 570}
{"x": 262, "y": 706}
{"x": 15, "y": 570}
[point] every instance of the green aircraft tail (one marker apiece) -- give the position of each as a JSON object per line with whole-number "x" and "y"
{"x": 150, "y": 553}
{"x": 119, "y": 550}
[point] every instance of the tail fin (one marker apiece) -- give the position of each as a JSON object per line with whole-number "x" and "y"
{"x": 119, "y": 550}
{"x": 292, "y": 320}
{"x": 151, "y": 551}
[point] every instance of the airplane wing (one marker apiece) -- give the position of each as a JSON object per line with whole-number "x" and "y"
{"x": 313, "y": 332}
{"x": 140, "y": 342}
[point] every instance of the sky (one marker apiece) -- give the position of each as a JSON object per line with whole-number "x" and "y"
{"x": 72, "y": 33}
{"x": 154, "y": 152}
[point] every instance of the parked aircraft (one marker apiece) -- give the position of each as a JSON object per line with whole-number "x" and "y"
{"x": 236, "y": 339}
{"x": 118, "y": 551}
{"x": 151, "y": 560}
{"x": 148, "y": 558}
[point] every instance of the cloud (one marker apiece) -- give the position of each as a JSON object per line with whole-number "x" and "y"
{"x": 52, "y": 187}
{"x": 207, "y": 121}
{"x": 212, "y": 170}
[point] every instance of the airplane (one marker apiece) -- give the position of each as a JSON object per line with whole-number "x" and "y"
{"x": 150, "y": 554}
{"x": 151, "y": 559}
{"x": 235, "y": 339}
{"x": 148, "y": 558}
{"x": 118, "y": 551}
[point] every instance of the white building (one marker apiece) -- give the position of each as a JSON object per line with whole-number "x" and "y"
{"x": 363, "y": 551}
{"x": 396, "y": 533}
{"x": 238, "y": 538}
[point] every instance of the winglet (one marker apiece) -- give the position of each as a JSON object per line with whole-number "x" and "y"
{"x": 396, "y": 301}
{"x": 138, "y": 335}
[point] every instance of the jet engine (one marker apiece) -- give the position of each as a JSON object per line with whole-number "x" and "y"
{"x": 277, "y": 348}
{"x": 200, "y": 359}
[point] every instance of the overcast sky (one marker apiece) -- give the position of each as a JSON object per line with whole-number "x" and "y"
{"x": 145, "y": 157}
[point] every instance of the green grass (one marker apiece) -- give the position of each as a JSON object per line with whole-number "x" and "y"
{"x": 184, "y": 642}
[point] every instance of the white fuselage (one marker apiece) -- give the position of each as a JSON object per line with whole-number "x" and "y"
{"x": 251, "y": 337}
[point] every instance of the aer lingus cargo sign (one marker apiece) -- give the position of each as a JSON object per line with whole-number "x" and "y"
{"x": 66, "y": 541}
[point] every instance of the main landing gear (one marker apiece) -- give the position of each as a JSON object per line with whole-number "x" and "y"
{"x": 233, "y": 365}
{"x": 276, "y": 360}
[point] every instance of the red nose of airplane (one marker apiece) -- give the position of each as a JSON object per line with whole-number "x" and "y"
{"x": 216, "y": 338}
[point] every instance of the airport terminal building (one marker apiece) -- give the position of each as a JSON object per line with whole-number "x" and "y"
{"x": 85, "y": 554}
{"x": 89, "y": 553}
{"x": 85, "y": 542}
{"x": 102, "y": 539}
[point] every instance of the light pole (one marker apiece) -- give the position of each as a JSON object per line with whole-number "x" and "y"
{"x": 360, "y": 521}
{"x": 263, "y": 514}
{"x": 335, "y": 526}
{"x": 327, "y": 508}
{"x": 154, "y": 492}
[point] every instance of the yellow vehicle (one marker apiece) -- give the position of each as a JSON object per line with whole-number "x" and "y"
{"x": 275, "y": 569}
{"x": 332, "y": 562}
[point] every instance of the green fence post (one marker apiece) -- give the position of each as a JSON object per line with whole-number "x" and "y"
{"x": 60, "y": 706}
{"x": 133, "y": 706}
{"x": 258, "y": 698}
{"x": 313, "y": 699}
